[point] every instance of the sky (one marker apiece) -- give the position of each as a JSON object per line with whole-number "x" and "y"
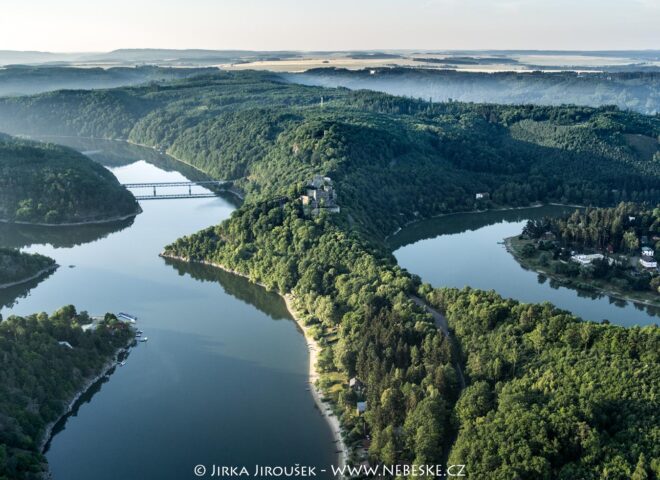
{"x": 103, "y": 25}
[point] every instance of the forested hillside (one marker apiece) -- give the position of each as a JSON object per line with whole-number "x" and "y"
{"x": 39, "y": 376}
{"x": 46, "y": 183}
{"x": 551, "y": 396}
{"x": 394, "y": 158}
{"x": 547, "y": 396}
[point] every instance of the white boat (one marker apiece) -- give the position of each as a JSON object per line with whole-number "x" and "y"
{"x": 122, "y": 363}
{"x": 143, "y": 339}
{"x": 127, "y": 316}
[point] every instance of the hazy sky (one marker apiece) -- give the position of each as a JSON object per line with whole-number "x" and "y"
{"x": 101, "y": 25}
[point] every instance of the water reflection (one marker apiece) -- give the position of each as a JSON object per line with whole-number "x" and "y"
{"x": 238, "y": 287}
{"x": 20, "y": 236}
{"x": 467, "y": 222}
{"x": 11, "y": 295}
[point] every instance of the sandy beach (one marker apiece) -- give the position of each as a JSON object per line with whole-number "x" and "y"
{"x": 314, "y": 350}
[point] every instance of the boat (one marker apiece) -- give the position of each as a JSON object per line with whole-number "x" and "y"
{"x": 127, "y": 316}
{"x": 122, "y": 363}
{"x": 143, "y": 339}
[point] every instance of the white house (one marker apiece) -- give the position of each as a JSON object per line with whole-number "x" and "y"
{"x": 648, "y": 262}
{"x": 587, "y": 259}
{"x": 647, "y": 251}
{"x": 481, "y": 195}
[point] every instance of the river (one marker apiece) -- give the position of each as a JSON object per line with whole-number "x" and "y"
{"x": 223, "y": 377}
{"x": 465, "y": 249}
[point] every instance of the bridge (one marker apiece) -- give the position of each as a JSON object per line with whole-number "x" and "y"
{"x": 154, "y": 186}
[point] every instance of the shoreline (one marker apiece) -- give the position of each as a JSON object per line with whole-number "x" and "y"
{"x": 462, "y": 212}
{"x": 75, "y": 224}
{"x": 40, "y": 273}
{"x": 314, "y": 350}
{"x": 47, "y": 436}
{"x": 597, "y": 290}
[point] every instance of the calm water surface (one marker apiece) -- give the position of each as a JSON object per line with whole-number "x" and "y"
{"x": 223, "y": 377}
{"x": 462, "y": 249}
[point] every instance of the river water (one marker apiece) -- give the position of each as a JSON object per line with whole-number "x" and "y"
{"x": 463, "y": 249}
{"x": 223, "y": 377}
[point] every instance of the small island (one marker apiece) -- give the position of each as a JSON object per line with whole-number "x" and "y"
{"x": 47, "y": 362}
{"x": 612, "y": 251}
{"x": 19, "y": 267}
{"x": 47, "y": 184}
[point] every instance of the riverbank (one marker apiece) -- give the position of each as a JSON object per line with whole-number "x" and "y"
{"x": 41, "y": 272}
{"x": 105, "y": 370}
{"x": 485, "y": 210}
{"x": 314, "y": 351}
{"x": 118, "y": 218}
{"x": 640, "y": 298}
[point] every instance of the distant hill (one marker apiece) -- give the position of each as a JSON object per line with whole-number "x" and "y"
{"x": 638, "y": 91}
{"x": 27, "y": 80}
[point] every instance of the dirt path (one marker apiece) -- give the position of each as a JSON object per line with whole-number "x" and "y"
{"x": 443, "y": 326}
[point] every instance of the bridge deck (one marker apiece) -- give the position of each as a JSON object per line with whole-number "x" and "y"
{"x": 174, "y": 184}
{"x": 182, "y": 195}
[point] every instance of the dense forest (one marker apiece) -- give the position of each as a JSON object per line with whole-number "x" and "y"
{"x": 395, "y": 158}
{"x": 638, "y": 91}
{"x": 39, "y": 376}
{"x": 47, "y": 183}
{"x": 16, "y": 266}
{"x": 551, "y": 396}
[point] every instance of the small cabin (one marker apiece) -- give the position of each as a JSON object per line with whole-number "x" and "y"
{"x": 482, "y": 196}
{"x": 361, "y": 407}
{"x": 647, "y": 252}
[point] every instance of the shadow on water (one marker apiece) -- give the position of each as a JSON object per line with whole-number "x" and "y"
{"x": 86, "y": 397}
{"x": 9, "y": 296}
{"x": 238, "y": 287}
{"x": 468, "y": 222}
{"x": 20, "y": 236}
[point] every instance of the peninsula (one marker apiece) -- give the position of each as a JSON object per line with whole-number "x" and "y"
{"x": 47, "y": 362}
{"x": 18, "y": 267}
{"x": 46, "y": 184}
{"x": 611, "y": 251}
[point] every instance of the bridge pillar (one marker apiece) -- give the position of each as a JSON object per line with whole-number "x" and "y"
{"x": 154, "y": 190}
